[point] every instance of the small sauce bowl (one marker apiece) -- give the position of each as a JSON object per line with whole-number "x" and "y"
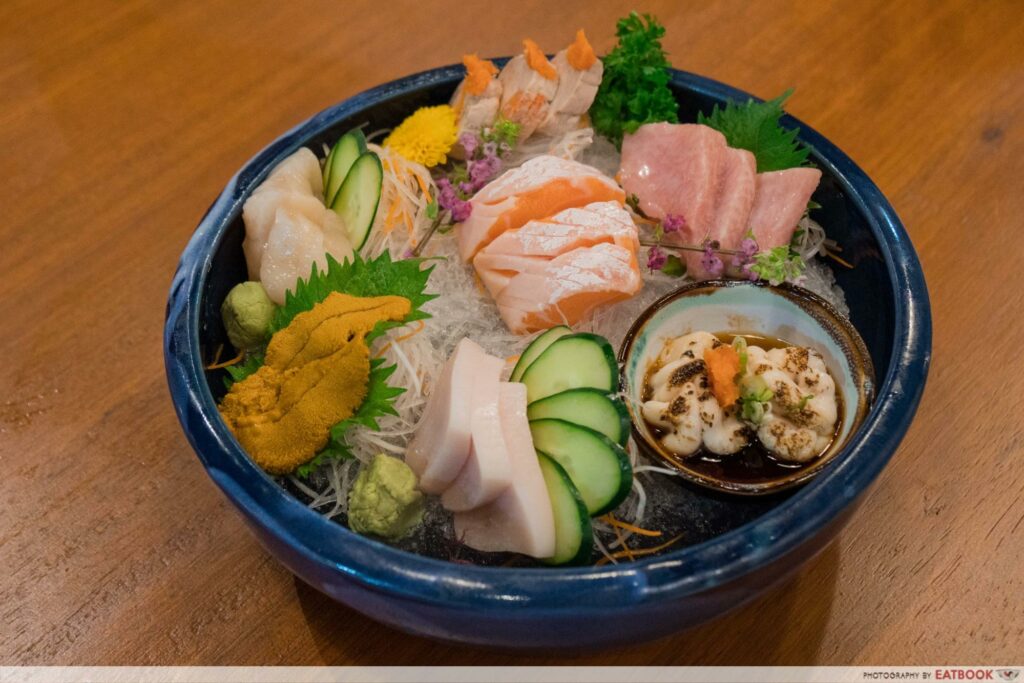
{"x": 787, "y": 313}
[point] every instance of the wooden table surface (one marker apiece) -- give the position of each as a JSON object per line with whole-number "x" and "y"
{"x": 121, "y": 121}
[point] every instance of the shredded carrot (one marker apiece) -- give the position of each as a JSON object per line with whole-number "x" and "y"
{"x": 422, "y": 184}
{"x": 637, "y": 552}
{"x": 218, "y": 366}
{"x": 837, "y": 258}
{"x": 615, "y": 522}
{"x": 408, "y": 221}
{"x": 512, "y": 359}
{"x": 622, "y": 543}
{"x": 389, "y": 219}
{"x": 418, "y": 329}
{"x": 216, "y": 356}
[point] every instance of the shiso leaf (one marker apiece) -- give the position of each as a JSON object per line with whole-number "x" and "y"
{"x": 239, "y": 371}
{"x": 380, "y": 276}
{"x": 754, "y": 126}
{"x": 379, "y": 401}
{"x": 375, "y": 277}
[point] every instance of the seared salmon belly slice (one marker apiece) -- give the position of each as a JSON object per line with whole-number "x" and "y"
{"x": 542, "y": 187}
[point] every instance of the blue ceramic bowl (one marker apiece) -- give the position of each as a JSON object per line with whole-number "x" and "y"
{"x": 750, "y": 548}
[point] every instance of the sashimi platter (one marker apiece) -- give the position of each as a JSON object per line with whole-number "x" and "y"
{"x": 431, "y": 344}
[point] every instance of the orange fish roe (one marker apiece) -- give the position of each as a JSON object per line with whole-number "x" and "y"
{"x": 479, "y": 73}
{"x": 580, "y": 54}
{"x": 537, "y": 61}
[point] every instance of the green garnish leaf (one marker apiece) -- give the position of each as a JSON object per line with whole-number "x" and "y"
{"x": 503, "y": 132}
{"x": 634, "y": 89}
{"x": 755, "y": 398}
{"x": 674, "y": 266}
{"x": 375, "y": 277}
{"x": 239, "y": 371}
{"x": 754, "y": 126}
{"x": 379, "y": 401}
{"x": 778, "y": 265}
{"x": 432, "y": 209}
{"x": 811, "y": 205}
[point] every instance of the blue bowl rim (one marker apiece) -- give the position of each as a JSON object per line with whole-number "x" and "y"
{"x": 328, "y": 548}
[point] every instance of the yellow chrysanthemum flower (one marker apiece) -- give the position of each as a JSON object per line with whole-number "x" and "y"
{"x": 426, "y": 136}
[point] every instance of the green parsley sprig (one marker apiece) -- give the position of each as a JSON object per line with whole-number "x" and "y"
{"x": 634, "y": 89}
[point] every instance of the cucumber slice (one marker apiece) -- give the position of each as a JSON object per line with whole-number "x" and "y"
{"x": 359, "y": 196}
{"x": 598, "y": 467}
{"x": 574, "y": 361}
{"x": 537, "y": 347}
{"x": 574, "y": 537}
{"x": 346, "y": 150}
{"x": 588, "y": 408}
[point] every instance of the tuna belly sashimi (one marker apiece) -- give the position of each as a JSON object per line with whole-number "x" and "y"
{"x": 734, "y": 197}
{"x": 569, "y": 287}
{"x": 674, "y": 169}
{"x": 779, "y": 203}
{"x": 520, "y": 520}
{"x": 539, "y": 188}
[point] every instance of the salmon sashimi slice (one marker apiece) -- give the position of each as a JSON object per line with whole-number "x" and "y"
{"x": 577, "y": 227}
{"x": 520, "y": 520}
{"x": 496, "y": 270}
{"x": 541, "y": 187}
{"x": 570, "y": 287}
{"x": 779, "y": 203}
{"x": 673, "y": 168}
{"x": 733, "y": 201}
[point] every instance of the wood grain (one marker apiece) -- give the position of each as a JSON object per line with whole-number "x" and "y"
{"x": 120, "y": 122}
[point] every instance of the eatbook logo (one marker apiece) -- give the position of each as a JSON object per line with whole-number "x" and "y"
{"x": 1008, "y": 674}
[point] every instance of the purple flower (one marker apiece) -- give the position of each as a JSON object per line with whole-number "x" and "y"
{"x": 461, "y": 211}
{"x": 449, "y": 199}
{"x": 467, "y": 188}
{"x": 469, "y": 142}
{"x": 446, "y": 195}
{"x": 673, "y": 223}
{"x": 743, "y": 260}
{"x": 710, "y": 261}
{"x": 482, "y": 171}
{"x": 491, "y": 149}
{"x": 656, "y": 259}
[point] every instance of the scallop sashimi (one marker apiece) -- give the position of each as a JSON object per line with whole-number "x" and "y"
{"x": 539, "y": 188}
{"x": 288, "y": 227}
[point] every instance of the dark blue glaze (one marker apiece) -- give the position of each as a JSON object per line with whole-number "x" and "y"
{"x": 558, "y": 607}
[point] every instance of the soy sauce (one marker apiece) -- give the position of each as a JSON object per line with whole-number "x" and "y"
{"x": 753, "y": 463}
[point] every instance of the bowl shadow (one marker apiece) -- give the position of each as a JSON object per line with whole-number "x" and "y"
{"x": 784, "y": 626}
